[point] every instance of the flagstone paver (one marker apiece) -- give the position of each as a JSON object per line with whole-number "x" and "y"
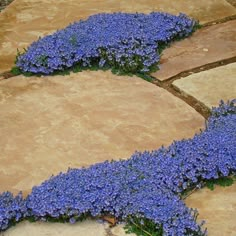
{"x": 118, "y": 230}
{"x": 207, "y": 45}
{"x": 85, "y": 228}
{"x": 52, "y": 123}
{"x": 24, "y": 21}
{"x": 218, "y": 208}
{"x": 210, "y": 86}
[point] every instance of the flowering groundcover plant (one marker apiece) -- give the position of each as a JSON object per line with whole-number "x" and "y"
{"x": 126, "y": 42}
{"x": 148, "y": 186}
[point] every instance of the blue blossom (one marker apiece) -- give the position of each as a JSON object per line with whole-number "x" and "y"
{"x": 125, "y": 41}
{"x": 12, "y": 209}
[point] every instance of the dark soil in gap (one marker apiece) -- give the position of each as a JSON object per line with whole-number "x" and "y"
{"x": 4, "y": 4}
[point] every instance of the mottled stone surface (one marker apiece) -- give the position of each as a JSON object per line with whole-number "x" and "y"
{"x": 85, "y": 228}
{"x": 207, "y": 45}
{"x": 24, "y": 21}
{"x": 218, "y": 208}
{"x": 118, "y": 230}
{"x": 52, "y": 123}
{"x": 210, "y": 86}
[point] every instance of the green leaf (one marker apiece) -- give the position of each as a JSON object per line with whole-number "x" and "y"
{"x": 223, "y": 182}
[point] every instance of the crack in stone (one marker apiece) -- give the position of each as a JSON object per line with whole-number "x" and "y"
{"x": 200, "y": 107}
{"x": 4, "y": 4}
{"x": 190, "y": 100}
{"x": 232, "y": 2}
{"x": 220, "y": 21}
{"x": 198, "y": 69}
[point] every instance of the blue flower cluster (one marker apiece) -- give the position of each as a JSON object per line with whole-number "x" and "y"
{"x": 148, "y": 185}
{"x": 128, "y": 42}
{"x": 224, "y": 108}
{"x": 12, "y": 209}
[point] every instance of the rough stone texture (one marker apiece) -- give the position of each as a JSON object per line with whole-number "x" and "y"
{"x": 85, "y": 228}
{"x": 207, "y": 45}
{"x": 218, "y": 208}
{"x": 118, "y": 230}
{"x": 210, "y": 86}
{"x": 232, "y": 2}
{"x": 24, "y": 21}
{"x": 52, "y": 123}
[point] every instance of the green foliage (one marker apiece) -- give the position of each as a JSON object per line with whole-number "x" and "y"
{"x": 145, "y": 77}
{"x": 16, "y": 71}
{"x": 62, "y": 219}
{"x": 197, "y": 26}
{"x": 223, "y": 182}
{"x": 145, "y": 227}
{"x": 78, "y": 68}
{"x": 42, "y": 59}
{"x": 142, "y": 227}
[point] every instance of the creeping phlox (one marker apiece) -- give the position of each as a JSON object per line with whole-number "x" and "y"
{"x": 124, "y": 41}
{"x": 12, "y": 209}
{"x": 148, "y": 185}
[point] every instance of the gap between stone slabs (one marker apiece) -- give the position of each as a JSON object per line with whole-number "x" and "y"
{"x": 207, "y": 45}
{"x": 199, "y": 106}
{"x": 208, "y": 87}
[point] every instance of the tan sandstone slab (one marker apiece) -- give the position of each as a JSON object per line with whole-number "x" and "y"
{"x": 118, "y": 230}
{"x": 49, "y": 124}
{"x": 218, "y": 208}
{"x": 210, "y": 86}
{"x": 25, "y": 20}
{"x": 207, "y": 45}
{"x": 85, "y": 228}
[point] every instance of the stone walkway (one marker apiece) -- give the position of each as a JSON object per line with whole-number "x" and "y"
{"x": 49, "y": 124}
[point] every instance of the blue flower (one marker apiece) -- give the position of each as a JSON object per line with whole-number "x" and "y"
{"x": 125, "y": 41}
